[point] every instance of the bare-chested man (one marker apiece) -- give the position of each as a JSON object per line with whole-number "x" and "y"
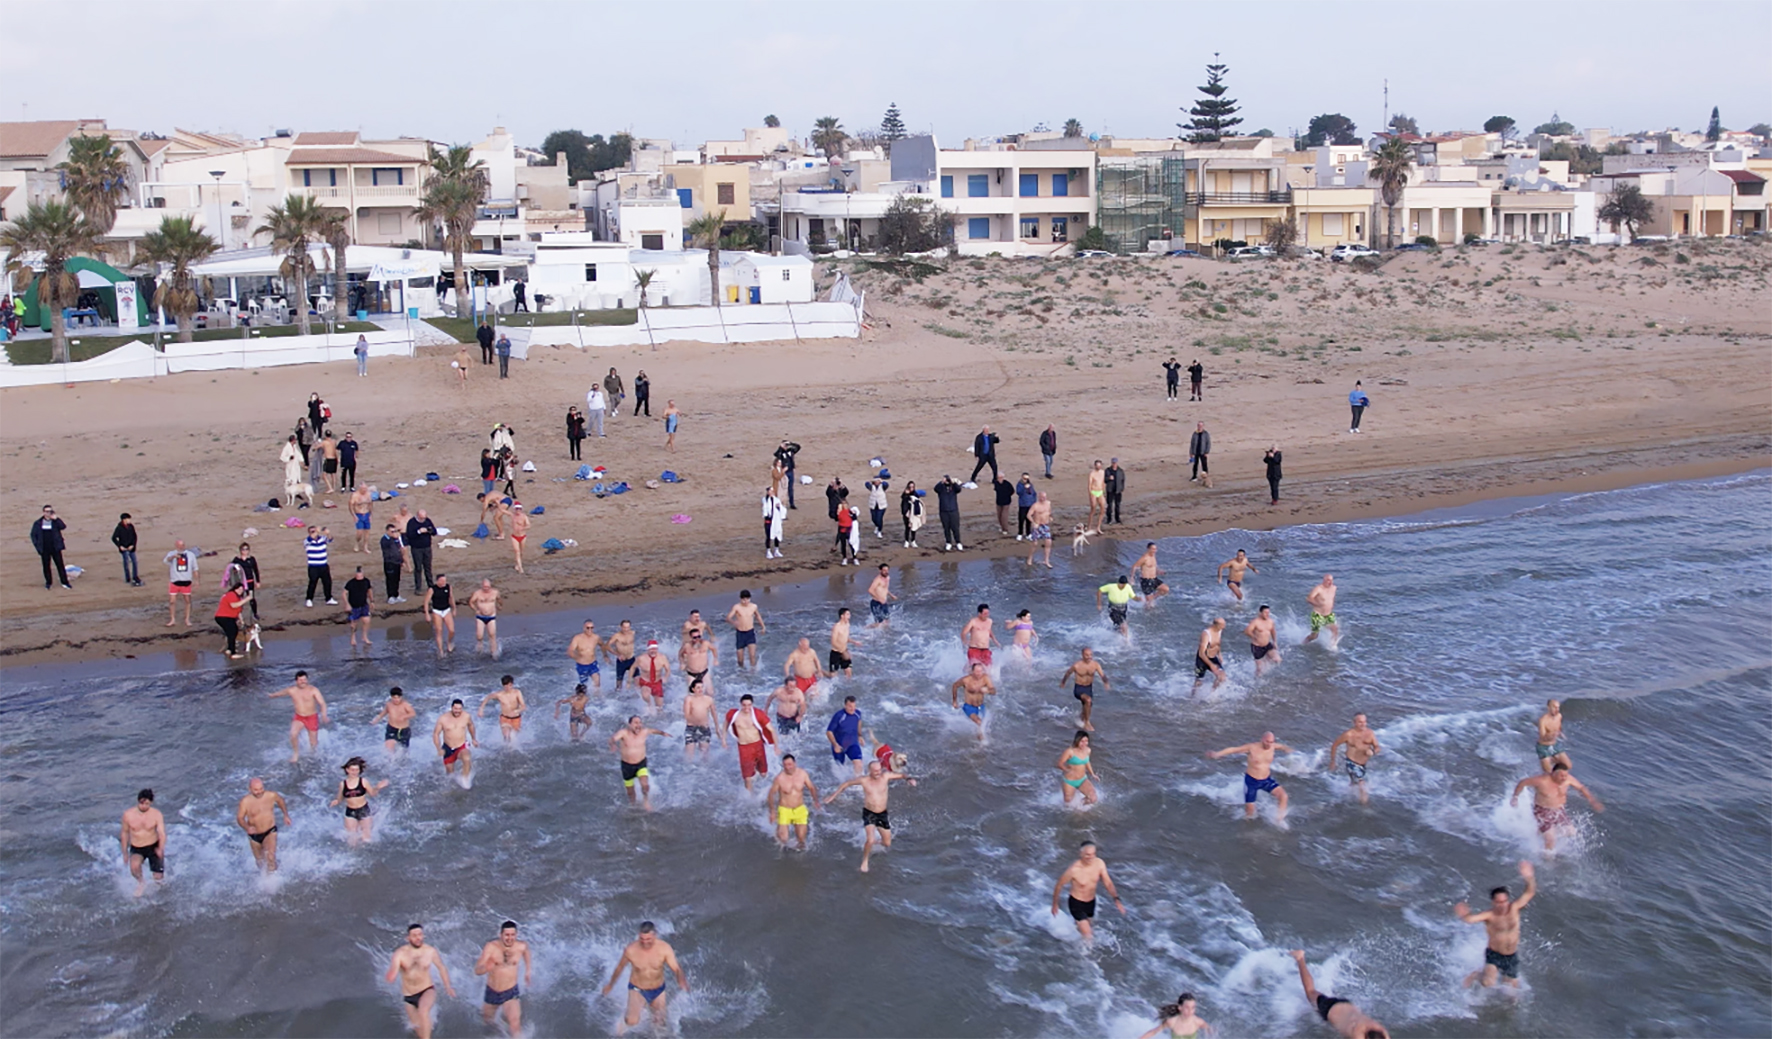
{"x": 1550, "y": 799}
{"x": 621, "y": 648}
{"x": 412, "y": 963}
{"x": 511, "y": 706}
{"x": 452, "y": 736}
{"x": 257, "y": 816}
{"x": 974, "y": 685}
{"x": 1083, "y": 876}
{"x": 1339, "y": 1014}
{"x": 310, "y": 714}
{"x": 1550, "y": 737}
{"x": 144, "y": 841}
{"x": 1264, "y": 644}
{"x": 1237, "y": 565}
{"x": 396, "y": 716}
{"x": 499, "y": 960}
{"x": 1322, "y": 603}
{"x": 584, "y": 649}
{"x": 978, "y": 635}
{"x": 1362, "y": 746}
{"x": 697, "y": 654}
{"x": 1081, "y": 676}
{"x": 1501, "y": 957}
{"x": 789, "y": 705}
{"x": 746, "y": 619}
{"x": 752, "y": 735}
{"x": 693, "y": 625}
{"x": 578, "y": 722}
{"x": 1150, "y": 575}
{"x": 1097, "y": 498}
{"x": 651, "y": 669}
{"x": 1259, "y": 758}
{"x": 1040, "y": 528}
{"x": 840, "y": 660}
{"x": 698, "y": 720}
{"x": 484, "y": 603}
{"x": 629, "y": 742}
{"x": 786, "y": 803}
{"x": 519, "y": 532}
{"x": 876, "y": 823}
{"x": 880, "y": 597}
{"x": 360, "y": 507}
{"x": 1206, "y": 655}
{"x": 649, "y": 956}
{"x": 801, "y": 667}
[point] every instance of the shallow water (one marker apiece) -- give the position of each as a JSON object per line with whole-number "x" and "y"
{"x": 1645, "y": 610}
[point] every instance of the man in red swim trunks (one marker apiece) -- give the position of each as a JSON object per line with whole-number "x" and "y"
{"x": 802, "y": 666}
{"x": 310, "y": 713}
{"x": 978, "y": 636}
{"x": 650, "y": 672}
{"x": 750, "y": 730}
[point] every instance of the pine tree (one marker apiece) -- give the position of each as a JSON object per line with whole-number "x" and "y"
{"x": 1214, "y": 114}
{"x": 1714, "y": 132}
{"x": 892, "y": 124}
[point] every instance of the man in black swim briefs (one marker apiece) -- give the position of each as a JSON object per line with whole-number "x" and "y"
{"x": 1340, "y": 1014}
{"x": 257, "y": 816}
{"x": 412, "y": 964}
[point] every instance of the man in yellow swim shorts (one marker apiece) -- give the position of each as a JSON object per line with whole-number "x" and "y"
{"x": 787, "y": 801}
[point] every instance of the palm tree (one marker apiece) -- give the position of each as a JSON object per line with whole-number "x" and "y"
{"x": 1073, "y": 128}
{"x": 704, "y": 231}
{"x": 95, "y": 178}
{"x": 457, "y": 187}
{"x": 59, "y": 232}
{"x": 335, "y": 228}
{"x": 1390, "y": 168}
{"x": 828, "y": 136}
{"x": 177, "y": 244}
{"x": 644, "y": 278}
{"x": 294, "y": 226}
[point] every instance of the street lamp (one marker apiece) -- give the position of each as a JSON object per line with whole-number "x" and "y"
{"x": 220, "y": 214}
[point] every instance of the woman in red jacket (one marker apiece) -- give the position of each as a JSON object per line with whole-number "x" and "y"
{"x": 227, "y": 617}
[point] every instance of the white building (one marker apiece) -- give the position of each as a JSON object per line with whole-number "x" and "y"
{"x": 1005, "y": 200}
{"x": 523, "y": 198}
{"x": 762, "y": 278}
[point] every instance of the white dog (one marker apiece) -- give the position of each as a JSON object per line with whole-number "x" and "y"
{"x": 1079, "y": 539}
{"x": 305, "y": 490}
{"x": 253, "y": 641}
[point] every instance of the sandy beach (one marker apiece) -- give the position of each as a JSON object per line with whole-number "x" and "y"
{"x": 1493, "y": 372}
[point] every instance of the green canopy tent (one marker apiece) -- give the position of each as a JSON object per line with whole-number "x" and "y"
{"x": 96, "y": 275}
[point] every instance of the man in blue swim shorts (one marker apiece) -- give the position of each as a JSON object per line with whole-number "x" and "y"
{"x": 584, "y": 649}
{"x": 649, "y": 956}
{"x": 974, "y": 686}
{"x": 1257, "y": 772}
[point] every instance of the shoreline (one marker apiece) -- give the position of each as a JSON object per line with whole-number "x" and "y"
{"x": 1597, "y": 471}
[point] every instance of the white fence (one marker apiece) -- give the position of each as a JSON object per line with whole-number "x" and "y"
{"x": 738, "y": 323}
{"x": 138, "y": 360}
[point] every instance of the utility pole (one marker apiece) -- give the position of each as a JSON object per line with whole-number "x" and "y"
{"x": 1387, "y": 107}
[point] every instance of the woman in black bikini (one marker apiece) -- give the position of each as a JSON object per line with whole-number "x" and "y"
{"x": 355, "y": 793}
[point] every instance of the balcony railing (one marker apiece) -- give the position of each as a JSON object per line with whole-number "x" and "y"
{"x": 1245, "y": 198}
{"x": 343, "y": 194}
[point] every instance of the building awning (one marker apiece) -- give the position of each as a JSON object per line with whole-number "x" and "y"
{"x": 1738, "y": 176}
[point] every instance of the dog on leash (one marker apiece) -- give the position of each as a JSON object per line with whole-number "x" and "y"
{"x": 304, "y": 490}
{"x": 253, "y": 639}
{"x": 1080, "y": 539}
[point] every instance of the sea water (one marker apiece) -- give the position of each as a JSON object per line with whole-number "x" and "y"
{"x": 1645, "y": 611}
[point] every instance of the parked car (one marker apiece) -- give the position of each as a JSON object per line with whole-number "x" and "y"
{"x": 1250, "y": 252}
{"x": 1193, "y": 253}
{"x": 1304, "y": 252}
{"x": 1092, "y": 254}
{"x": 1348, "y": 251}
{"x": 1414, "y": 247}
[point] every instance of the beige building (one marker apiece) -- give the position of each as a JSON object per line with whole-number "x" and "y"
{"x": 1235, "y": 188}
{"x": 1331, "y": 216}
{"x": 378, "y": 182}
{"x": 1688, "y": 200}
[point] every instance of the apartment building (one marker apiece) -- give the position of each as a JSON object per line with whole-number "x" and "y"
{"x": 525, "y": 196}
{"x": 1004, "y": 199}
{"x": 1235, "y": 187}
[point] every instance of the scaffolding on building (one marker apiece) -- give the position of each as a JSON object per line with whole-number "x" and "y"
{"x": 1141, "y": 199}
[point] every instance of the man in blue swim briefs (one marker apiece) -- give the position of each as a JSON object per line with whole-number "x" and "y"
{"x": 747, "y": 621}
{"x": 1257, "y": 777}
{"x": 499, "y": 960}
{"x": 649, "y": 956}
{"x": 584, "y": 649}
{"x": 975, "y": 685}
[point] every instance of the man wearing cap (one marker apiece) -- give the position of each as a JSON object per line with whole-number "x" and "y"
{"x": 1114, "y": 483}
{"x": 650, "y": 672}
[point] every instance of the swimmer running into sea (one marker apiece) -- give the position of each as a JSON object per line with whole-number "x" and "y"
{"x": 412, "y": 964}
{"x": 1084, "y": 876}
{"x": 629, "y": 742}
{"x": 452, "y": 736}
{"x": 1179, "y": 1020}
{"x": 1362, "y": 746}
{"x": 1550, "y": 799}
{"x": 1321, "y": 600}
{"x": 257, "y": 816}
{"x": 698, "y": 720}
{"x": 1150, "y": 576}
{"x": 584, "y": 649}
{"x": 975, "y": 685}
{"x": 144, "y": 841}
{"x": 1501, "y": 957}
{"x": 397, "y": 716}
{"x": 1550, "y": 737}
{"x": 787, "y": 804}
{"x": 511, "y": 706}
{"x": 310, "y": 714}
{"x": 578, "y": 722}
{"x": 1206, "y": 658}
{"x": 978, "y": 635}
{"x": 355, "y": 792}
{"x": 1236, "y": 565}
{"x": 1076, "y": 771}
{"x": 1339, "y": 1014}
{"x": 1021, "y": 630}
{"x": 498, "y": 962}
{"x": 876, "y": 821}
{"x": 1082, "y": 675}
{"x": 1257, "y": 777}
{"x": 648, "y": 957}
{"x": 1120, "y": 595}
{"x": 1264, "y": 645}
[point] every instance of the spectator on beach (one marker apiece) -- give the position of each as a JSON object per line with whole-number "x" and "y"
{"x": 393, "y": 560}
{"x": 671, "y": 418}
{"x": 302, "y": 438}
{"x": 642, "y": 393}
{"x": 784, "y": 457}
{"x": 243, "y": 571}
{"x": 485, "y": 336}
{"x": 227, "y": 617}
{"x": 595, "y": 407}
{"x": 124, "y": 537}
{"x": 575, "y": 434}
{"x": 1358, "y": 402}
{"x": 1113, "y": 482}
{"x": 1198, "y": 447}
{"x": 1196, "y": 378}
{"x": 984, "y": 448}
{"x": 347, "y": 461}
{"x": 877, "y": 505}
{"x": 318, "y": 413}
{"x": 520, "y": 296}
{"x": 1272, "y": 461}
{"x": 1049, "y": 448}
{"x": 947, "y": 498}
{"x": 488, "y": 471}
{"x": 46, "y": 538}
{"x": 316, "y": 548}
{"x": 503, "y": 349}
{"x": 181, "y": 580}
{"x": 1025, "y": 497}
{"x": 1005, "y": 498}
{"x": 910, "y": 509}
{"x": 835, "y": 494}
{"x": 615, "y": 391}
{"x": 362, "y": 352}
{"x": 1172, "y": 377}
{"x": 773, "y": 517}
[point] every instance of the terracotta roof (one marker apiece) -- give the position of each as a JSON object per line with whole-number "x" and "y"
{"x": 346, "y": 157}
{"x": 26, "y": 140}
{"x": 331, "y": 139}
{"x": 6, "y": 192}
{"x": 1743, "y": 176}
{"x": 151, "y": 147}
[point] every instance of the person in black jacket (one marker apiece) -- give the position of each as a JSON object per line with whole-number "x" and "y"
{"x": 393, "y": 560}
{"x": 419, "y": 532}
{"x": 245, "y": 566}
{"x": 1005, "y": 498}
{"x": 947, "y": 496}
{"x": 907, "y": 505}
{"x": 1198, "y": 447}
{"x": 835, "y": 496}
{"x": 1048, "y": 448}
{"x": 1113, "y": 481}
{"x": 123, "y": 536}
{"x": 785, "y": 455}
{"x": 1272, "y": 461}
{"x": 520, "y": 293}
{"x": 46, "y": 538}
{"x": 642, "y": 393}
{"x": 485, "y": 336}
{"x": 984, "y": 448}
{"x": 575, "y": 434}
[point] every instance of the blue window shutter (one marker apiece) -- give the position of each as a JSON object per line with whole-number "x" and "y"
{"x": 307, "y": 178}
{"x": 978, "y": 227}
{"x": 1061, "y": 185}
{"x": 1030, "y": 185}
{"x": 947, "y": 187}
{"x": 978, "y": 185}
{"x": 400, "y": 176}
{"x": 334, "y": 175}
{"x": 686, "y": 198}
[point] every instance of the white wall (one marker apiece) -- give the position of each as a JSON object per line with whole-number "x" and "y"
{"x": 138, "y": 360}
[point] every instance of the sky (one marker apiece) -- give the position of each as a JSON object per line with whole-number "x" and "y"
{"x": 692, "y": 71}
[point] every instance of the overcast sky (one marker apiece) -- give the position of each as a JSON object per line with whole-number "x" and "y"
{"x": 693, "y": 71}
